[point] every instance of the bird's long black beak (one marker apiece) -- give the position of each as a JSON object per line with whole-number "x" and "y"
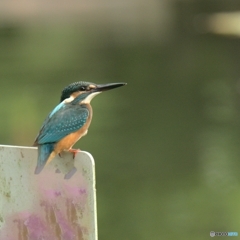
{"x": 108, "y": 86}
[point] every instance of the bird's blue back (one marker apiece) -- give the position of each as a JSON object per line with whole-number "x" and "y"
{"x": 63, "y": 120}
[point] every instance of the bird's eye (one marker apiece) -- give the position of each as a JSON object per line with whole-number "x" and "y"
{"x": 82, "y": 88}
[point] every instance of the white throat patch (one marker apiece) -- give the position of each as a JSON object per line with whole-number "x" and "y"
{"x": 68, "y": 100}
{"x": 90, "y": 97}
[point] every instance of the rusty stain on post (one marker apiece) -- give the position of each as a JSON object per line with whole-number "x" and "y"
{"x": 46, "y": 206}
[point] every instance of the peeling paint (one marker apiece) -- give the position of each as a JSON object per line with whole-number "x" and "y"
{"x": 46, "y": 206}
{"x": 61, "y": 218}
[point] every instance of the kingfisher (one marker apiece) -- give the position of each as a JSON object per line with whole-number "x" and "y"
{"x": 68, "y": 121}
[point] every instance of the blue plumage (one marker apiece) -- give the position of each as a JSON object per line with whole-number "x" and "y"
{"x": 66, "y": 118}
{"x": 44, "y": 151}
{"x": 57, "y": 108}
{"x": 72, "y": 115}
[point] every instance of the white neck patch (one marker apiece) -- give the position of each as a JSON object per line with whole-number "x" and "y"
{"x": 70, "y": 99}
{"x": 90, "y": 97}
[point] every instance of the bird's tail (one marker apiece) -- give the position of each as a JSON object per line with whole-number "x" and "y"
{"x": 45, "y": 154}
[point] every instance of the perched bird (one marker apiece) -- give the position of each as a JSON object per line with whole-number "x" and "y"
{"x": 68, "y": 121}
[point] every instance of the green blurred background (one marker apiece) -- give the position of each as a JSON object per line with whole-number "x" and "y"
{"x": 166, "y": 145}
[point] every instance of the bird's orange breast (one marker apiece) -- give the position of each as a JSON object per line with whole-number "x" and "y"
{"x": 67, "y": 142}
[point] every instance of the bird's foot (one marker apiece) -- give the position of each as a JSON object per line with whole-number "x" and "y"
{"x": 74, "y": 151}
{"x": 60, "y": 155}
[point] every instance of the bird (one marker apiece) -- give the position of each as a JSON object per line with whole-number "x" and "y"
{"x": 68, "y": 121}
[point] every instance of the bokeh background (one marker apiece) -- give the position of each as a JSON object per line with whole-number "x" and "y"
{"x": 166, "y": 145}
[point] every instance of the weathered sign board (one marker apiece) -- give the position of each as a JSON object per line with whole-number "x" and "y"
{"x": 57, "y": 204}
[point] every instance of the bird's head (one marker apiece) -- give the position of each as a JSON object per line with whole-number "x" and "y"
{"x": 84, "y": 92}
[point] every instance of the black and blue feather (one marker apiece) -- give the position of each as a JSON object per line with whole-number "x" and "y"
{"x": 66, "y": 118}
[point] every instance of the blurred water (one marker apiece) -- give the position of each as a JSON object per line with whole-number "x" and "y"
{"x": 166, "y": 145}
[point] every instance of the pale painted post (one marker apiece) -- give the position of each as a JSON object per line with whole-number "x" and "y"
{"x": 59, "y": 203}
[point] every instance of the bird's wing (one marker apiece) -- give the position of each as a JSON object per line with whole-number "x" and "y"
{"x": 63, "y": 121}
{"x": 57, "y": 108}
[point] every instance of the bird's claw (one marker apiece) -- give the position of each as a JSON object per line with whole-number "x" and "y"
{"x": 74, "y": 151}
